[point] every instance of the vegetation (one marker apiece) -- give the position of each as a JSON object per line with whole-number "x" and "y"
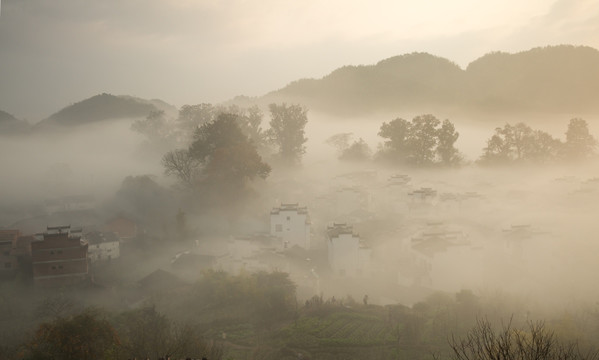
{"x": 424, "y": 141}
{"x": 287, "y": 131}
{"x": 535, "y": 342}
{"x": 521, "y": 144}
{"x": 101, "y": 107}
{"x": 560, "y": 79}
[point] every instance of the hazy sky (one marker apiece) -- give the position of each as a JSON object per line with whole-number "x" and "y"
{"x": 56, "y": 52}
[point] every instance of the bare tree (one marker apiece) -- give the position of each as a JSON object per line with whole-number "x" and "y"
{"x": 483, "y": 342}
{"x": 181, "y": 164}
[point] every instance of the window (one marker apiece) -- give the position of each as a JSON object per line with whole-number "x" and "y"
{"x": 288, "y": 218}
{"x": 53, "y": 267}
{"x": 7, "y": 265}
{"x": 278, "y": 227}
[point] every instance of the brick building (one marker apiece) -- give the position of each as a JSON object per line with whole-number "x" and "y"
{"x": 60, "y": 258}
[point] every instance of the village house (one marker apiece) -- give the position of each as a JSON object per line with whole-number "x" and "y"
{"x": 102, "y": 246}
{"x": 348, "y": 255}
{"x": 8, "y": 260}
{"x": 291, "y": 223}
{"x": 59, "y": 257}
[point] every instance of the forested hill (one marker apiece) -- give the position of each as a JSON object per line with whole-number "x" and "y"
{"x": 549, "y": 79}
{"x": 10, "y": 125}
{"x": 102, "y": 107}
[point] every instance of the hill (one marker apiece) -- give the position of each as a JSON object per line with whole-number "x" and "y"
{"x": 549, "y": 79}
{"x": 103, "y": 107}
{"x": 11, "y": 125}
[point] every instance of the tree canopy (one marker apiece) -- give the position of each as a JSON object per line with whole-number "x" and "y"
{"x": 420, "y": 142}
{"x": 287, "y": 131}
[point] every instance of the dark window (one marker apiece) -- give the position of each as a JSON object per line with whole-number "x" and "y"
{"x": 7, "y": 265}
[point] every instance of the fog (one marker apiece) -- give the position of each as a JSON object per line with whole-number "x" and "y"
{"x": 517, "y": 234}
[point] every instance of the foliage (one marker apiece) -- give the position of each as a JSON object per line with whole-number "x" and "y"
{"x": 265, "y": 297}
{"x": 421, "y": 142}
{"x": 287, "y": 131}
{"x": 536, "y": 342}
{"x": 180, "y": 163}
{"x": 340, "y": 141}
{"x": 81, "y": 337}
{"x": 220, "y": 160}
{"x": 580, "y": 144}
{"x": 225, "y": 153}
{"x": 357, "y": 151}
{"x": 446, "y": 151}
{"x": 147, "y": 333}
{"x": 520, "y": 143}
{"x": 156, "y": 127}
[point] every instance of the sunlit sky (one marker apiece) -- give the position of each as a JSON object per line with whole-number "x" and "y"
{"x": 57, "y": 52}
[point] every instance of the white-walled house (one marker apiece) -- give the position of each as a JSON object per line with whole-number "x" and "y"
{"x": 348, "y": 256}
{"x": 291, "y": 223}
{"x": 102, "y": 246}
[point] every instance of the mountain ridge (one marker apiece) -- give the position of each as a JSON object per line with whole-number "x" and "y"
{"x": 563, "y": 78}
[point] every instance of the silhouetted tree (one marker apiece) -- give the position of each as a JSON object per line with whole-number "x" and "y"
{"x": 147, "y": 333}
{"x": 520, "y": 143}
{"x": 287, "y": 131}
{"x": 446, "y": 151}
{"x": 84, "y": 336}
{"x": 580, "y": 144}
{"x": 357, "y": 151}
{"x": 227, "y": 160}
{"x": 397, "y": 132}
{"x": 157, "y": 128}
{"x": 536, "y": 342}
{"x": 191, "y": 117}
{"x": 180, "y": 163}
{"x": 340, "y": 141}
{"x": 422, "y": 139}
{"x": 421, "y": 142}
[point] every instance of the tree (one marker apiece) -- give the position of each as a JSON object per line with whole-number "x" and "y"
{"x": 251, "y": 125}
{"x": 446, "y": 151}
{"x": 147, "y": 333}
{"x": 424, "y": 141}
{"x": 181, "y": 164}
{"x": 340, "y": 141}
{"x": 520, "y": 143}
{"x": 580, "y": 144}
{"x": 193, "y": 116}
{"x": 81, "y": 337}
{"x": 287, "y": 130}
{"x": 357, "y": 151}
{"x": 226, "y": 157}
{"x": 485, "y": 343}
{"x": 156, "y": 127}
{"x": 396, "y": 131}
